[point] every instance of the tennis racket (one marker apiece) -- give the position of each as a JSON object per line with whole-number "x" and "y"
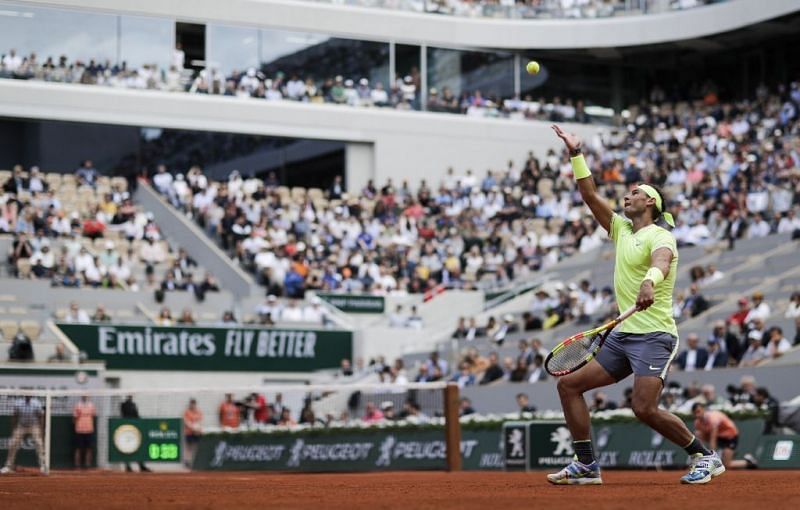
{"x": 578, "y": 350}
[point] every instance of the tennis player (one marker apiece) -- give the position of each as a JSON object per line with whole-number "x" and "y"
{"x": 643, "y": 345}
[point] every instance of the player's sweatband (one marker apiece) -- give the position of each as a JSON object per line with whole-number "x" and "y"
{"x": 579, "y": 168}
{"x": 655, "y": 275}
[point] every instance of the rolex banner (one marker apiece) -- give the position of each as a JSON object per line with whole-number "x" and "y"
{"x": 125, "y": 347}
{"x": 624, "y": 445}
{"x": 370, "y": 450}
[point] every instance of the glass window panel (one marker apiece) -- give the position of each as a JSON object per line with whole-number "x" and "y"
{"x": 146, "y": 40}
{"x": 80, "y": 35}
{"x": 464, "y": 73}
{"x": 320, "y": 57}
{"x": 231, "y": 48}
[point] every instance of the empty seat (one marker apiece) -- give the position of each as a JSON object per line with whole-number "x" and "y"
{"x": 8, "y": 329}
{"x": 32, "y": 329}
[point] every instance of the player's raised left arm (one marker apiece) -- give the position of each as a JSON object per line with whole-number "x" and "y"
{"x": 660, "y": 260}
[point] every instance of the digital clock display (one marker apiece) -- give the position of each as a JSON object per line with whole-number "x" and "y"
{"x": 145, "y": 439}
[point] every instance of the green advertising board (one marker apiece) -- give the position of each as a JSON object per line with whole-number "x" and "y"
{"x": 368, "y": 450}
{"x": 61, "y": 444}
{"x": 144, "y": 439}
{"x": 355, "y": 303}
{"x": 629, "y": 444}
{"x": 779, "y": 451}
{"x": 125, "y": 347}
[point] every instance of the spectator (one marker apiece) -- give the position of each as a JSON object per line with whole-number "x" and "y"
{"x": 27, "y": 420}
{"x": 228, "y": 318}
{"x": 520, "y": 372}
{"x": 192, "y": 431}
{"x": 537, "y": 370}
{"x": 286, "y": 419}
{"x": 465, "y": 407}
{"x": 463, "y": 377}
{"x": 165, "y": 318}
{"x": 695, "y": 303}
{"x": 292, "y": 313}
{"x": 738, "y": 317}
{"x": 523, "y": 403}
{"x": 87, "y": 174}
{"x": 100, "y": 315}
{"x": 777, "y": 345}
{"x": 186, "y": 318}
{"x": 728, "y": 342}
{"x": 129, "y": 410}
{"x": 345, "y": 370}
{"x": 83, "y": 417}
{"x": 60, "y": 355}
{"x": 759, "y": 309}
{"x": 21, "y": 348}
{"x": 509, "y": 326}
{"x": 493, "y": 372}
{"x": 436, "y": 362}
{"x": 793, "y": 310}
{"x": 601, "y": 402}
{"x": 717, "y": 358}
{"x": 762, "y": 399}
{"x": 387, "y": 407}
{"x": 229, "y": 415}
{"x": 755, "y": 352}
{"x": 315, "y": 313}
{"x": 414, "y": 320}
{"x": 372, "y": 414}
{"x": 693, "y": 357}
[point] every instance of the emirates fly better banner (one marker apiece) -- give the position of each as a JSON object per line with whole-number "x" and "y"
{"x": 125, "y": 347}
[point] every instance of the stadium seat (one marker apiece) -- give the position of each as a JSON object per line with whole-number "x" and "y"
{"x": 32, "y": 329}
{"x": 24, "y": 268}
{"x": 8, "y": 329}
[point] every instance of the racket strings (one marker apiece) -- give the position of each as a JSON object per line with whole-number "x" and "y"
{"x": 573, "y": 354}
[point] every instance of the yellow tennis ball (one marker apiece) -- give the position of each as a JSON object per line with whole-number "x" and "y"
{"x": 532, "y": 67}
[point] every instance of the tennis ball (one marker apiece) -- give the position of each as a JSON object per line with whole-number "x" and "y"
{"x": 532, "y": 67}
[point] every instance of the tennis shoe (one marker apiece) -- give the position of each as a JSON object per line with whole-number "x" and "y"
{"x": 703, "y": 468}
{"x": 577, "y": 473}
{"x": 5, "y": 470}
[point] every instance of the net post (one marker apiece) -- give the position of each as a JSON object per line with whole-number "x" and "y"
{"x": 48, "y": 427}
{"x": 452, "y": 427}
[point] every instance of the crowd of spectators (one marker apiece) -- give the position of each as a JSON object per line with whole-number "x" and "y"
{"x": 83, "y": 230}
{"x": 404, "y": 93}
{"x": 730, "y": 171}
{"x": 743, "y": 339}
{"x": 530, "y": 9}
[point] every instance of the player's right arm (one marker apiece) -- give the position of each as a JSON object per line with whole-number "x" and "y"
{"x": 598, "y": 205}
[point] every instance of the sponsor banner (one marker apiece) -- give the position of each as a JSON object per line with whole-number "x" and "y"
{"x": 355, "y": 303}
{"x": 515, "y": 445}
{"x": 346, "y": 451}
{"x": 61, "y": 453}
{"x": 144, "y": 439}
{"x": 777, "y": 451}
{"x": 125, "y": 347}
{"x": 626, "y": 445}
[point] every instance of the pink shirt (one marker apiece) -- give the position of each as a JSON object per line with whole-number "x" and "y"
{"x": 84, "y": 413}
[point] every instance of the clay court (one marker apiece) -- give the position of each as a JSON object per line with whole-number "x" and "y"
{"x": 418, "y": 490}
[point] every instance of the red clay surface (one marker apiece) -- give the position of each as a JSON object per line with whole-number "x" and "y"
{"x": 406, "y": 490}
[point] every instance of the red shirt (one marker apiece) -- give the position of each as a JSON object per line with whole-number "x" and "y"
{"x": 262, "y": 411}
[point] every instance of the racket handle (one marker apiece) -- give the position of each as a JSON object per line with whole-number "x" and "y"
{"x": 627, "y": 313}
